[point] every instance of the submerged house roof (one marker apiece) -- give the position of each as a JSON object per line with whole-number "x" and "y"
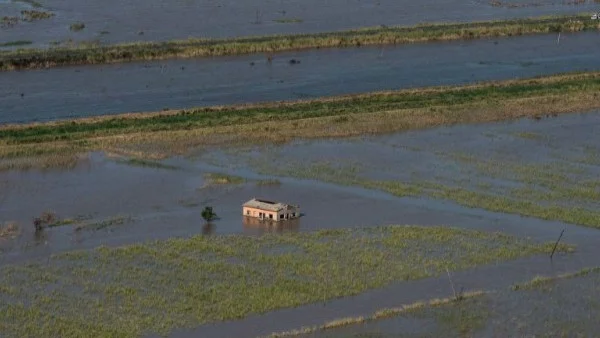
{"x": 268, "y": 205}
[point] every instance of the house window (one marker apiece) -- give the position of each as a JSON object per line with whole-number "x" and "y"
{"x": 293, "y": 214}
{"x": 248, "y": 212}
{"x": 281, "y": 216}
{"x": 271, "y": 216}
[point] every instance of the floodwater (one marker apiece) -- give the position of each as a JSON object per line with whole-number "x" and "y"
{"x": 538, "y": 312}
{"x": 100, "y": 188}
{"x": 164, "y": 203}
{"x": 60, "y": 93}
{"x": 112, "y": 21}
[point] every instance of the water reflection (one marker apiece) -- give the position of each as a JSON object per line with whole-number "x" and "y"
{"x": 40, "y": 237}
{"x": 208, "y": 229}
{"x": 253, "y": 223}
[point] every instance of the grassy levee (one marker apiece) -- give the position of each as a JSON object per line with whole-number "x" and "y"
{"x": 487, "y": 93}
{"x": 61, "y": 56}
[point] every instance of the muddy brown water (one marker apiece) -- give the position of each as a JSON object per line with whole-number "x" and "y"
{"x": 166, "y": 203}
{"x": 113, "y": 21}
{"x": 60, "y": 93}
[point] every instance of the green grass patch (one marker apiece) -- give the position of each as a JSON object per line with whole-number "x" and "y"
{"x": 216, "y": 178}
{"x": 157, "y": 286}
{"x": 77, "y": 26}
{"x": 269, "y": 44}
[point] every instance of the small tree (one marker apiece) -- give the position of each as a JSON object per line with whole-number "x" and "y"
{"x": 208, "y": 214}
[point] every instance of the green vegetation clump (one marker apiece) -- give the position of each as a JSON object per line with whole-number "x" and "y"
{"x": 9, "y": 230}
{"x": 138, "y": 162}
{"x": 33, "y": 15}
{"x": 9, "y": 21}
{"x": 76, "y": 27}
{"x": 269, "y": 44}
{"x": 208, "y": 214}
{"x": 216, "y": 178}
{"x": 157, "y": 286}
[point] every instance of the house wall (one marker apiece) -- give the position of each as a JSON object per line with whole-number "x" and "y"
{"x": 254, "y": 212}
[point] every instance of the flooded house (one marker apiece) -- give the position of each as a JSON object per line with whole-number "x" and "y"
{"x": 269, "y": 210}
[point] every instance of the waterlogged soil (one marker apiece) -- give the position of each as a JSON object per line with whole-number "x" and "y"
{"x": 566, "y": 307}
{"x": 134, "y": 20}
{"x": 81, "y": 91}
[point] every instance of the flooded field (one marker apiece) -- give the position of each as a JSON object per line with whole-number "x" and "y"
{"x": 563, "y": 307}
{"x": 92, "y": 90}
{"x": 119, "y": 21}
{"x": 483, "y": 177}
{"x": 544, "y": 168}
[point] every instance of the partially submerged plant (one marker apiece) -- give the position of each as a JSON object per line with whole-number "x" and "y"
{"x": 33, "y": 15}
{"x": 208, "y": 214}
{"x": 47, "y": 218}
{"x": 76, "y": 27}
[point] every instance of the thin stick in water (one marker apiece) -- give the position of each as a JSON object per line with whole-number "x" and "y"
{"x": 556, "y": 244}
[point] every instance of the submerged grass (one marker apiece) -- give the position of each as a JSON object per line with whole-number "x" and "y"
{"x": 413, "y": 308}
{"x": 370, "y": 36}
{"x": 542, "y": 281}
{"x": 138, "y": 162}
{"x": 477, "y": 310}
{"x": 157, "y": 286}
{"x": 15, "y": 43}
{"x": 525, "y": 205}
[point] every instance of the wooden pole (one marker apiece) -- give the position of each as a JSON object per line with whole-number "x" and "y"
{"x": 556, "y": 244}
